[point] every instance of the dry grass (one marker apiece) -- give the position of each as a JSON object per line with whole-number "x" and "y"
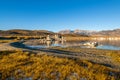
{"x": 76, "y": 38}
{"x": 7, "y": 41}
{"x": 23, "y": 37}
{"x": 109, "y": 58}
{"x": 24, "y": 65}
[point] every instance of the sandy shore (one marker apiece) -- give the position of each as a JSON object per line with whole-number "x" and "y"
{"x": 7, "y": 46}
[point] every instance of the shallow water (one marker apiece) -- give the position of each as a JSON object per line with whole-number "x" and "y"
{"x": 108, "y": 47}
{"x": 104, "y": 44}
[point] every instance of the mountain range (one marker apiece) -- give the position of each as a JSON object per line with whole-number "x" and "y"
{"x": 21, "y": 32}
{"x": 115, "y": 32}
{"x": 78, "y": 32}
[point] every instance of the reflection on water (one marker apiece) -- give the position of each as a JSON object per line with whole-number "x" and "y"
{"x": 104, "y": 44}
{"x": 109, "y": 47}
{"x": 107, "y": 44}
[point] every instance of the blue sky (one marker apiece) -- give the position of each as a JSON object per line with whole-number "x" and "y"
{"x": 55, "y": 15}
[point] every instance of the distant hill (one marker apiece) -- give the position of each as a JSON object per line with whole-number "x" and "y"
{"x": 20, "y": 32}
{"x": 115, "y": 32}
{"x": 77, "y": 32}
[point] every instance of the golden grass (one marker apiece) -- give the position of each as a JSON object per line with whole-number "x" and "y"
{"x": 22, "y": 65}
{"x": 23, "y": 37}
{"x": 7, "y": 41}
{"x": 106, "y": 57}
{"x": 76, "y": 38}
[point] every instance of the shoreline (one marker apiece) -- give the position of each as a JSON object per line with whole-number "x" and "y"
{"x": 93, "y": 55}
{"x": 107, "y": 61}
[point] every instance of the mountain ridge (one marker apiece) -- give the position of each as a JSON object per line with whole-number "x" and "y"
{"x": 114, "y": 32}
{"x": 76, "y": 32}
{"x": 22, "y": 32}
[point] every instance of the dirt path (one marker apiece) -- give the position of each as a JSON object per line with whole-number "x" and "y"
{"x": 7, "y": 46}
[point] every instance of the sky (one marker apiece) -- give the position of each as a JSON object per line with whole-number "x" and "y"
{"x": 56, "y": 15}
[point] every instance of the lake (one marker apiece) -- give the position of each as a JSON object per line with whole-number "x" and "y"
{"x": 102, "y": 44}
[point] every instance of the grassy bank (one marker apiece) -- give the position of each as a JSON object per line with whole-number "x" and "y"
{"x": 79, "y": 38}
{"x": 109, "y": 58}
{"x": 7, "y": 41}
{"x": 26, "y": 65}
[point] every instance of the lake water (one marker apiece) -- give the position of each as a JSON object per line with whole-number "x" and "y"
{"x": 104, "y": 44}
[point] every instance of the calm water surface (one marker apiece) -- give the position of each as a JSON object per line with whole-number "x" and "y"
{"x": 106, "y": 44}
